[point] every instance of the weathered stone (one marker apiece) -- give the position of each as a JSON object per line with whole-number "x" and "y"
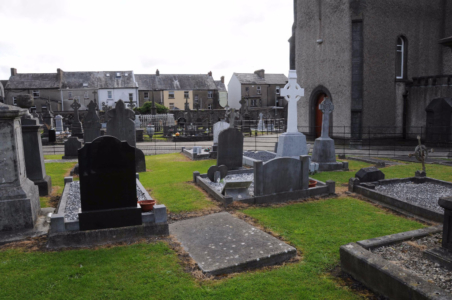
{"x": 281, "y": 175}
{"x": 91, "y": 124}
{"x": 108, "y": 185}
{"x": 47, "y": 119}
{"x": 59, "y": 123}
{"x": 71, "y": 146}
{"x": 230, "y": 149}
{"x": 213, "y": 169}
{"x": 19, "y": 197}
{"x": 76, "y": 127}
{"x": 370, "y": 174}
{"x": 139, "y": 135}
{"x": 217, "y": 128}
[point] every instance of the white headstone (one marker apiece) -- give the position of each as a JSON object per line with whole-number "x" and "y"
{"x": 137, "y": 121}
{"x": 217, "y": 128}
{"x": 292, "y": 92}
{"x": 59, "y": 123}
{"x": 261, "y": 125}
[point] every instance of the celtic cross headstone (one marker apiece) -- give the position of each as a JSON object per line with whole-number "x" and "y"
{"x": 327, "y": 107}
{"x": 76, "y": 127}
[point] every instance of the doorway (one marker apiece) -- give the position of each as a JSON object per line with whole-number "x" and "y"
{"x": 319, "y": 115}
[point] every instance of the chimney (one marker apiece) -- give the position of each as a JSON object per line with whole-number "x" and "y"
{"x": 59, "y": 75}
{"x": 13, "y": 72}
{"x": 157, "y": 72}
{"x": 210, "y": 73}
{"x": 222, "y": 79}
{"x": 260, "y": 73}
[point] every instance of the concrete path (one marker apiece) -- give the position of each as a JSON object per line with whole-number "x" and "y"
{"x": 221, "y": 243}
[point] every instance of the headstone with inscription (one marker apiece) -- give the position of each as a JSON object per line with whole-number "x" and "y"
{"x": 91, "y": 124}
{"x": 19, "y": 196}
{"x": 292, "y": 143}
{"x": 76, "y": 127}
{"x": 108, "y": 191}
{"x": 71, "y": 146}
{"x": 120, "y": 125}
{"x": 230, "y": 149}
{"x": 59, "y": 123}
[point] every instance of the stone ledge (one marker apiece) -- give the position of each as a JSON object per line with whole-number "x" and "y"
{"x": 383, "y": 277}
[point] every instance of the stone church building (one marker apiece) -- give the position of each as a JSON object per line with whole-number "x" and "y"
{"x": 385, "y": 64}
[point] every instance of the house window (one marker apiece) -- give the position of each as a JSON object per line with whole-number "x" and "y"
{"x": 110, "y": 95}
{"x": 118, "y": 75}
{"x": 14, "y": 101}
{"x": 171, "y": 95}
{"x": 70, "y": 95}
{"x": 401, "y": 58}
{"x": 130, "y": 97}
{"x": 258, "y": 90}
{"x": 196, "y": 98}
{"x": 35, "y": 94}
{"x": 277, "y": 90}
{"x": 43, "y": 108}
{"x": 86, "y": 95}
{"x": 171, "y": 106}
{"x": 85, "y": 85}
{"x": 146, "y": 95}
{"x": 253, "y": 102}
{"x": 186, "y": 94}
{"x": 209, "y": 106}
{"x": 33, "y": 109}
{"x": 247, "y": 89}
{"x": 210, "y": 94}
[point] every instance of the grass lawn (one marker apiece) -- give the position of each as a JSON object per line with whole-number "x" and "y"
{"x": 57, "y": 171}
{"x": 141, "y": 271}
{"x": 170, "y": 182}
{"x": 53, "y": 156}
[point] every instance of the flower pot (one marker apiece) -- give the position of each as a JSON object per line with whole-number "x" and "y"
{"x": 312, "y": 183}
{"x": 146, "y": 205}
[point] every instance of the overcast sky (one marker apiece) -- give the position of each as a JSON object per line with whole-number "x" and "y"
{"x": 175, "y": 36}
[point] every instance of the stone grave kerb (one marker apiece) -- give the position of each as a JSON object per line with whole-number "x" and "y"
{"x": 121, "y": 123}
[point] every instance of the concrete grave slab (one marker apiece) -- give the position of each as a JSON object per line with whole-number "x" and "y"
{"x": 221, "y": 243}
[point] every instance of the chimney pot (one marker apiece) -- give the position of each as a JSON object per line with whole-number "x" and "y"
{"x": 222, "y": 79}
{"x": 210, "y": 73}
{"x": 157, "y": 72}
{"x": 59, "y": 74}
{"x": 13, "y": 72}
{"x": 260, "y": 73}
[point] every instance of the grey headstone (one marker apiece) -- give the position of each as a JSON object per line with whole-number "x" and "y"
{"x": 217, "y": 128}
{"x": 370, "y": 174}
{"x": 91, "y": 124}
{"x": 213, "y": 169}
{"x": 76, "y": 127}
{"x": 71, "y": 147}
{"x": 19, "y": 197}
{"x": 324, "y": 151}
{"x": 59, "y": 123}
{"x": 230, "y": 149}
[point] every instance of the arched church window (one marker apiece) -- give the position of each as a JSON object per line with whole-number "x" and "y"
{"x": 401, "y": 58}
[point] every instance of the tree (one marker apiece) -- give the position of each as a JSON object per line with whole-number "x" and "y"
{"x": 146, "y": 108}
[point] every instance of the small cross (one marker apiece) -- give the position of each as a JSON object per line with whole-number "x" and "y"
{"x": 292, "y": 93}
{"x": 327, "y": 107}
{"x": 75, "y": 105}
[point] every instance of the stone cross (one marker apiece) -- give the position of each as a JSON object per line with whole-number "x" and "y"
{"x": 292, "y": 93}
{"x": 232, "y": 118}
{"x": 75, "y": 106}
{"x": 131, "y": 104}
{"x": 327, "y": 107}
{"x": 120, "y": 123}
{"x": 91, "y": 124}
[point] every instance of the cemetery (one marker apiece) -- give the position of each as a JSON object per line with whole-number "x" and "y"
{"x": 252, "y": 219}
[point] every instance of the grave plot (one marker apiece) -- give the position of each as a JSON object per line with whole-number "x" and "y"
{"x": 277, "y": 180}
{"x": 416, "y": 196}
{"x": 196, "y": 153}
{"x": 221, "y": 244}
{"x": 249, "y": 157}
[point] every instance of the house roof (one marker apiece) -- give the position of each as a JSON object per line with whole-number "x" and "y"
{"x": 100, "y": 80}
{"x": 33, "y": 81}
{"x": 175, "y": 82}
{"x": 220, "y": 86}
{"x": 252, "y": 78}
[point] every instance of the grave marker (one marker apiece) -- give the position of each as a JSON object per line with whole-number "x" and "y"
{"x": 59, "y": 123}
{"x": 76, "y": 127}
{"x": 107, "y": 185}
{"x": 91, "y": 124}
{"x": 71, "y": 147}
{"x": 230, "y": 149}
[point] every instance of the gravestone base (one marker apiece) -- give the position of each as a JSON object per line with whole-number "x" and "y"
{"x": 440, "y": 256}
{"x": 324, "y": 154}
{"x": 44, "y": 185}
{"x": 19, "y": 206}
{"x": 76, "y": 130}
{"x": 292, "y": 145}
{"x": 140, "y": 162}
{"x": 139, "y": 135}
{"x": 110, "y": 218}
{"x": 335, "y": 166}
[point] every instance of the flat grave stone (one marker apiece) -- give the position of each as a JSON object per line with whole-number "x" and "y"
{"x": 370, "y": 174}
{"x": 237, "y": 189}
{"x": 221, "y": 243}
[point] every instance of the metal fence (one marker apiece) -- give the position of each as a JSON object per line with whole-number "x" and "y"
{"x": 374, "y": 141}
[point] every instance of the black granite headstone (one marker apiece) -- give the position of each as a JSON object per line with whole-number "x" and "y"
{"x": 108, "y": 185}
{"x": 52, "y": 135}
{"x": 213, "y": 169}
{"x": 370, "y": 174}
{"x": 71, "y": 147}
{"x": 230, "y": 149}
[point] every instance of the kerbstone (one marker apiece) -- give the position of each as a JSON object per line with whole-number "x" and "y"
{"x": 221, "y": 243}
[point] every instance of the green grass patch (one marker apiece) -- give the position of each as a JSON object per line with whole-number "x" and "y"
{"x": 57, "y": 172}
{"x": 152, "y": 271}
{"x": 170, "y": 182}
{"x": 55, "y": 156}
{"x": 342, "y": 177}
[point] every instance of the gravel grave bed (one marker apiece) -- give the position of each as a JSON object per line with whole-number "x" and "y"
{"x": 73, "y": 203}
{"x": 218, "y": 186}
{"x": 420, "y": 194}
{"x": 259, "y": 155}
{"x": 408, "y": 255}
